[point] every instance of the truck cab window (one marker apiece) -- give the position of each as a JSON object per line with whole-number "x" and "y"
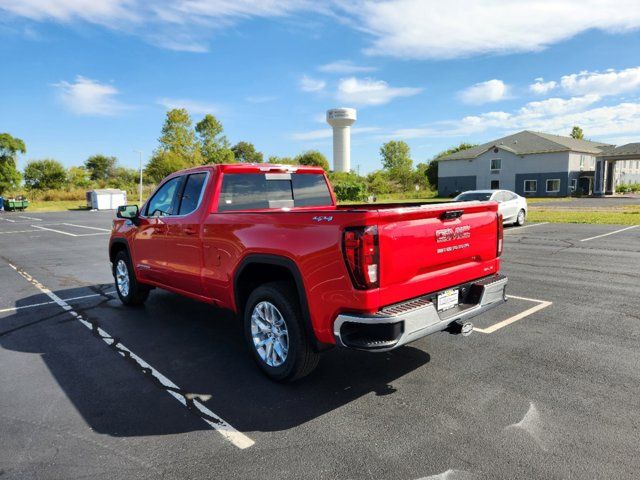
{"x": 162, "y": 202}
{"x": 192, "y": 192}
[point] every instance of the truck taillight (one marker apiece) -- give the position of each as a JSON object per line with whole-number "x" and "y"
{"x": 360, "y": 247}
{"x": 500, "y": 235}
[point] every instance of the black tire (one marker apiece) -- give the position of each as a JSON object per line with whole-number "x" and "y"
{"x": 301, "y": 359}
{"x": 137, "y": 294}
{"x": 520, "y": 219}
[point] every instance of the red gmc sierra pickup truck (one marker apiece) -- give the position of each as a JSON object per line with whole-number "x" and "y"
{"x": 270, "y": 243}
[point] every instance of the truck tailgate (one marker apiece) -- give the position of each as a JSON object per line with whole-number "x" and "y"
{"x": 432, "y": 247}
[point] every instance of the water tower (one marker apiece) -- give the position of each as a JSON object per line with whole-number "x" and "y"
{"x": 341, "y": 120}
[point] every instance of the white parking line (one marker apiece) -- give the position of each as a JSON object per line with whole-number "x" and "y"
{"x": 517, "y": 229}
{"x": 13, "y": 309}
{"x": 610, "y": 233}
{"x": 91, "y": 228}
{"x": 530, "y": 311}
{"x": 237, "y": 438}
{"x": 8, "y": 220}
{"x": 18, "y": 231}
{"x": 30, "y": 218}
{"x": 54, "y": 230}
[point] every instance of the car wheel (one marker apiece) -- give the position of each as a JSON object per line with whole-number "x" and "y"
{"x": 521, "y": 218}
{"x": 127, "y": 287}
{"x": 275, "y": 333}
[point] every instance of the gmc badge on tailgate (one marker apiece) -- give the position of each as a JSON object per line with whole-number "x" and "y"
{"x": 450, "y": 234}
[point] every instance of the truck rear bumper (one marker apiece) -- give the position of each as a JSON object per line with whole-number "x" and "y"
{"x": 408, "y": 321}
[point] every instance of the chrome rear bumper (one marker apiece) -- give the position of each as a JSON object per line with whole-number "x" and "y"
{"x": 408, "y": 321}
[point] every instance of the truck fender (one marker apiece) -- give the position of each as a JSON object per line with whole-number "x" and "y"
{"x": 292, "y": 268}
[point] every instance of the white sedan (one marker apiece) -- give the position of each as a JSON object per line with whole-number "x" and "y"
{"x": 512, "y": 206}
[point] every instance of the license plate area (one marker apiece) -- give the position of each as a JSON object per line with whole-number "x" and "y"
{"x": 447, "y": 299}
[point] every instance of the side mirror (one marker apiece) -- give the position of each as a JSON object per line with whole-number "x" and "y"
{"x": 129, "y": 212}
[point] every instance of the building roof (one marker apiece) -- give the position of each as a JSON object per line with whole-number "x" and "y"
{"x": 528, "y": 142}
{"x": 630, "y": 149}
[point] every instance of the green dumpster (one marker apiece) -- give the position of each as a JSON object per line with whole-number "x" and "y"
{"x": 15, "y": 203}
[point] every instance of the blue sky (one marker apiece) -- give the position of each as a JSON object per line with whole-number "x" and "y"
{"x": 83, "y": 77}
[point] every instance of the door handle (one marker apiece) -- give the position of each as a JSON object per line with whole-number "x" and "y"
{"x": 190, "y": 230}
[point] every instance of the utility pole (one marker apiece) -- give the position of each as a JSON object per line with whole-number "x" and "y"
{"x": 139, "y": 152}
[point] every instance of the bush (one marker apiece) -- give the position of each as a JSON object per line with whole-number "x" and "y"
{"x": 350, "y": 191}
{"x": 628, "y": 188}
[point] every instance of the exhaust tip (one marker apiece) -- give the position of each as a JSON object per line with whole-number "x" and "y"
{"x": 466, "y": 329}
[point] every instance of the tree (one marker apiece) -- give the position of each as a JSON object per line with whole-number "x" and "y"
{"x": 124, "y": 178}
{"x": 9, "y": 148}
{"x": 378, "y": 182}
{"x": 312, "y": 158}
{"x": 281, "y": 160}
{"x": 162, "y": 164}
{"x": 577, "y": 133}
{"x": 100, "y": 167}
{"x": 396, "y": 160}
{"x": 78, "y": 177}
{"x": 179, "y": 139}
{"x": 177, "y": 146}
{"x": 44, "y": 174}
{"x": 214, "y": 146}
{"x": 245, "y": 152}
{"x": 421, "y": 175}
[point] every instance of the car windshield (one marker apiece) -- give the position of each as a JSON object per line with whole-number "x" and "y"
{"x": 469, "y": 196}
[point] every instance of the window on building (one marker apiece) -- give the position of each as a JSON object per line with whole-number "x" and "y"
{"x": 582, "y": 159}
{"x": 574, "y": 184}
{"x": 530, "y": 186}
{"x": 495, "y": 184}
{"x": 553, "y": 185}
{"x": 496, "y": 165}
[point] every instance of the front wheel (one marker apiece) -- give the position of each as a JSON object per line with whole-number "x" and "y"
{"x": 521, "y": 218}
{"x": 275, "y": 334}
{"x": 127, "y": 286}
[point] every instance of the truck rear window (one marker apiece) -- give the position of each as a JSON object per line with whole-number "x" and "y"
{"x": 249, "y": 191}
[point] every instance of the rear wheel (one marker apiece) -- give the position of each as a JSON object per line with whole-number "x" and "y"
{"x": 127, "y": 287}
{"x": 275, "y": 335}
{"x": 521, "y": 218}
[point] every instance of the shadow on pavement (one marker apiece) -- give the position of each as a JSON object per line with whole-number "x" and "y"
{"x": 201, "y": 349}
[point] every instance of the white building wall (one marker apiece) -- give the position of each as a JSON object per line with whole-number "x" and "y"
{"x": 582, "y": 162}
{"x": 512, "y": 164}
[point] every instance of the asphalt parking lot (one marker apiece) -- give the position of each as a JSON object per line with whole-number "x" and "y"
{"x": 547, "y": 387}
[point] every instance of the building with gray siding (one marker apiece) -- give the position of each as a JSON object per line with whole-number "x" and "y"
{"x": 528, "y": 163}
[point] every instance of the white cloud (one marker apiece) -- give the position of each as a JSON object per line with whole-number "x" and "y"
{"x": 553, "y": 115}
{"x": 398, "y": 28}
{"x": 610, "y": 82}
{"x": 101, "y": 12}
{"x": 557, "y": 106}
{"x": 183, "y": 25}
{"x": 308, "y": 84}
{"x": 484, "y": 92}
{"x": 194, "y": 107}
{"x": 89, "y": 97}
{"x": 367, "y": 91}
{"x": 540, "y": 87}
{"x": 324, "y": 133}
{"x": 435, "y": 29}
{"x": 344, "y": 67}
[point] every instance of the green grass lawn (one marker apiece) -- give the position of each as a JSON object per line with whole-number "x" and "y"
{"x": 56, "y": 205}
{"x": 627, "y": 215}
